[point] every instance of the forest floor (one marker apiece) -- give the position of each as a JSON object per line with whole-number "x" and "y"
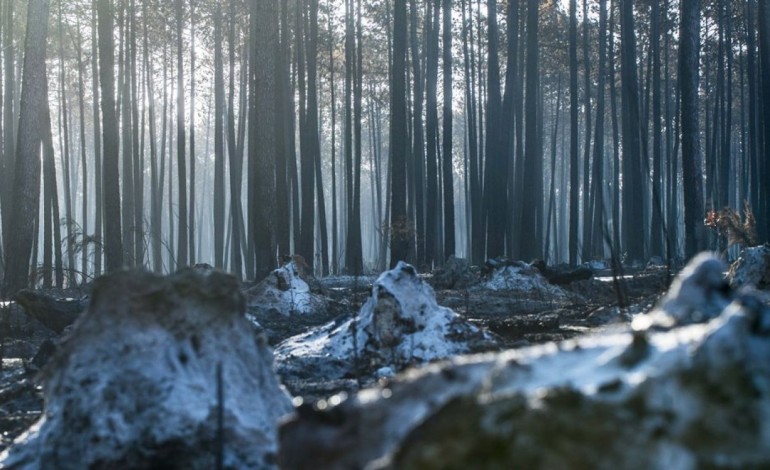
{"x": 515, "y": 318}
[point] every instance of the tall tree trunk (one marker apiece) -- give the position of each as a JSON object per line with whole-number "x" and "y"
{"x": 448, "y": 172}
{"x": 307, "y": 159}
{"x": 418, "y": 135}
{"x": 9, "y": 125}
{"x": 574, "y": 222}
{"x": 616, "y": 193}
{"x": 672, "y": 206}
{"x": 352, "y": 175}
{"x": 587, "y": 210}
{"x": 51, "y": 205}
{"x": 598, "y": 221}
{"x": 335, "y": 241}
{"x": 98, "y": 177}
{"x": 431, "y": 130}
{"x": 284, "y": 112}
{"x": 763, "y": 167}
{"x": 66, "y": 160}
{"x": 552, "y": 191}
{"x": 191, "y": 218}
{"x": 113, "y": 243}
{"x": 494, "y": 174}
{"x": 399, "y": 242}
{"x": 262, "y": 133}
{"x": 26, "y": 188}
{"x": 656, "y": 230}
{"x": 156, "y": 180}
{"x": 219, "y": 143}
{"x": 477, "y": 235}
{"x": 50, "y": 200}
{"x": 137, "y": 148}
{"x": 532, "y": 215}
{"x": 235, "y": 160}
{"x": 83, "y": 158}
{"x": 633, "y": 209}
{"x": 182, "y": 258}
{"x": 355, "y": 245}
{"x": 689, "y": 53}
{"x": 312, "y": 71}
{"x": 125, "y": 127}
{"x": 508, "y": 130}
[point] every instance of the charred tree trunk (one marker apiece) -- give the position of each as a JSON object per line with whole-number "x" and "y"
{"x": 399, "y": 243}
{"x": 26, "y": 188}
{"x": 113, "y": 242}
{"x": 689, "y": 53}
{"x": 447, "y": 165}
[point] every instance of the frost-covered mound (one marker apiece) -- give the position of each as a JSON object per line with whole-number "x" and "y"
{"x": 752, "y": 268}
{"x": 694, "y": 396}
{"x": 400, "y": 324}
{"x": 285, "y": 291}
{"x": 157, "y": 373}
{"x": 699, "y": 293}
{"x": 521, "y": 277}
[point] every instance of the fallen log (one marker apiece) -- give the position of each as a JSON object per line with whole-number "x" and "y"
{"x": 53, "y": 312}
{"x": 563, "y": 274}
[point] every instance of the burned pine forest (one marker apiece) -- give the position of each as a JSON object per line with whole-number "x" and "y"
{"x": 384, "y": 234}
{"x": 360, "y": 133}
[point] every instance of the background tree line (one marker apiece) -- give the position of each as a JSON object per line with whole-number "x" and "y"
{"x": 360, "y": 132}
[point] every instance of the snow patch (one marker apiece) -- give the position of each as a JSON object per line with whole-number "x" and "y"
{"x": 521, "y": 277}
{"x": 699, "y": 293}
{"x": 285, "y": 291}
{"x": 400, "y": 324}
{"x": 752, "y": 268}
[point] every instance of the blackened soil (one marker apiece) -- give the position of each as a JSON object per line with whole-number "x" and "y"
{"x": 515, "y": 318}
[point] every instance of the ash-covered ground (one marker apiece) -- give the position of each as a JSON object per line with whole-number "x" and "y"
{"x": 512, "y": 303}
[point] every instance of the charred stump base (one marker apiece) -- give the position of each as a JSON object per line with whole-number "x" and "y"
{"x": 159, "y": 372}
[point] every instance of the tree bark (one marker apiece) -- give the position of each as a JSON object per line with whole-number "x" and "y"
{"x": 262, "y": 133}
{"x": 182, "y": 258}
{"x": 448, "y": 166}
{"x": 26, "y": 188}
{"x": 532, "y": 214}
{"x": 113, "y": 243}
{"x": 633, "y": 209}
{"x": 399, "y": 242}
{"x": 219, "y": 143}
{"x": 573, "y": 148}
{"x": 689, "y": 53}
{"x": 9, "y": 125}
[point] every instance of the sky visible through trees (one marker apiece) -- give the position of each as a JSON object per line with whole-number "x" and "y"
{"x": 357, "y": 133}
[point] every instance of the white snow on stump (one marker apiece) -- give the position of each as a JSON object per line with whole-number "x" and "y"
{"x": 135, "y": 385}
{"x": 699, "y": 293}
{"x": 752, "y": 268}
{"x": 400, "y": 324}
{"x": 521, "y": 277}
{"x": 285, "y": 291}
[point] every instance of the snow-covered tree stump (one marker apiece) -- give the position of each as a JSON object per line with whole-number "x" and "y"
{"x": 159, "y": 372}
{"x": 286, "y": 291}
{"x": 752, "y": 268}
{"x": 401, "y": 324}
